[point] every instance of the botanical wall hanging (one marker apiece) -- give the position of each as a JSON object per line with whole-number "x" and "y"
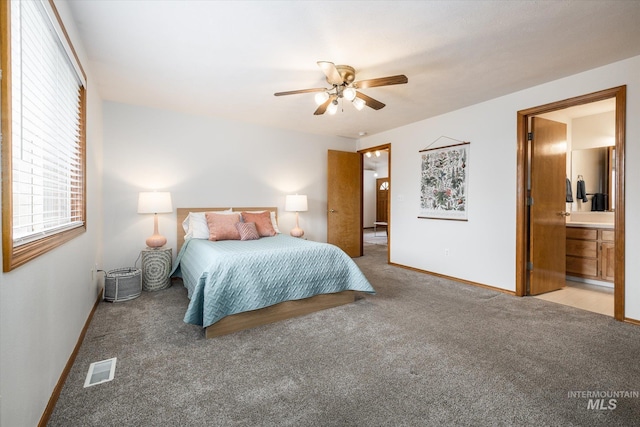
{"x": 444, "y": 182}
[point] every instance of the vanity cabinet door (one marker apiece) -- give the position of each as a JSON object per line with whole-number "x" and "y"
{"x": 607, "y": 261}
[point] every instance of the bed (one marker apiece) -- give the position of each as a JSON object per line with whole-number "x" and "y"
{"x": 236, "y": 284}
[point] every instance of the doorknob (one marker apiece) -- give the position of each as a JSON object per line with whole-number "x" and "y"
{"x": 564, "y": 213}
{"x": 332, "y": 211}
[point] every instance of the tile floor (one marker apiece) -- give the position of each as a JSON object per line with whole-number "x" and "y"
{"x": 598, "y": 299}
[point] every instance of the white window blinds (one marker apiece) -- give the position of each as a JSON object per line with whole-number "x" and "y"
{"x": 46, "y": 92}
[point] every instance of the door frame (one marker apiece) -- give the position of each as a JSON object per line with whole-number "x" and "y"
{"x": 522, "y": 220}
{"x": 362, "y": 152}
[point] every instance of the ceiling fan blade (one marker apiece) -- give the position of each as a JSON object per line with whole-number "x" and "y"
{"x": 322, "y": 108}
{"x": 375, "y": 104}
{"x": 293, "y": 92}
{"x": 329, "y": 69}
{"x": 382, "y": 81}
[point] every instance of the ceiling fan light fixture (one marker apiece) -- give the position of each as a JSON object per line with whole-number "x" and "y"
{"x": 358, "y": 103}
{"x": 349, "y": 93}
{"x": 343, "y": 85}
{"x": 321, "y": 98}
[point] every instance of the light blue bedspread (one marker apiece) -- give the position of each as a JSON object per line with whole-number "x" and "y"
{"x": 232, "y": 276}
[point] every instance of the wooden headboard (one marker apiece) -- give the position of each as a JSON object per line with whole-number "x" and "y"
{"x": 184, "y": 212}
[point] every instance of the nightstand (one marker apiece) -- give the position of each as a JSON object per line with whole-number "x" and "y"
{"x": 156, "y": 266}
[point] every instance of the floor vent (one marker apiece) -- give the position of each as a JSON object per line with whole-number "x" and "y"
{"x": 100, "y": 372}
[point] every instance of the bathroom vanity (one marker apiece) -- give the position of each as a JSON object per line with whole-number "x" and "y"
{"x": 590, "y": 251}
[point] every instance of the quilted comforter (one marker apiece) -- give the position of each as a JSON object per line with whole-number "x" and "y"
{"x": 232, "y": 276}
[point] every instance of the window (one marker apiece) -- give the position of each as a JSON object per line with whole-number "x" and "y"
{"x": 43, "y": 132}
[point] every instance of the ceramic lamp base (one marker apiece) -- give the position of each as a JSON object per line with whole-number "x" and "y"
{"x": 297, "y": 232}
{"x": 156, "y": 241}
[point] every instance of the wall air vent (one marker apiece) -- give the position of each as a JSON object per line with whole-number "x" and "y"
{"x": 100, "y": 372}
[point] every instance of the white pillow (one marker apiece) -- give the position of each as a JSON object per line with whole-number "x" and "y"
{"x": 195, "y": 225}
{"x": 274, "y": 221}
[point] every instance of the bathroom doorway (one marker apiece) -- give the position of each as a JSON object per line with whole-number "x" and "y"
{"x": 608, "y": 261}
{"x": 589, "y": 193}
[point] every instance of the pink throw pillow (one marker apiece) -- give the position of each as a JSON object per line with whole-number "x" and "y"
{"x": 222, "y": 226}
{"x": 247, "y": 230}
{"x": 262, "y": 221}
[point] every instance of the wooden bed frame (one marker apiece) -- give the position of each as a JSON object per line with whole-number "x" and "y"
{"x": 274, "y": 313}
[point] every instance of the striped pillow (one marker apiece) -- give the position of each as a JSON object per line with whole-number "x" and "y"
{"x": 247, "y": 230}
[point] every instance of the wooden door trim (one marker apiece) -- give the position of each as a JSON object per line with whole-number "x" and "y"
{"x": 522, "y": 222}
{"x": 362, "y": 152}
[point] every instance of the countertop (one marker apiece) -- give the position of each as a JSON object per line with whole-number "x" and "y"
{"x": 590, "y": 224}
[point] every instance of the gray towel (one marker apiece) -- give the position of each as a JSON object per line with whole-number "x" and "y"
{"x": 599, "y": 202}
{"x": 569, "y": 193}
{"x": 581, "y": 193}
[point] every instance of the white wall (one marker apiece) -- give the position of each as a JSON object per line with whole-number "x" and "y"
{"x": 45, "y": 303}
{"x": 368, "y": 199}
{"x": 482, "y": 249}
{"x": 204, "y": 162}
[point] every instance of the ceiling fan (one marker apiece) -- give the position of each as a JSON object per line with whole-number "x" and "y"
{"x": 343, "y": 86}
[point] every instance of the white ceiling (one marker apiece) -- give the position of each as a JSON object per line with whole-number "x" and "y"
{"x": 228, "y": 58}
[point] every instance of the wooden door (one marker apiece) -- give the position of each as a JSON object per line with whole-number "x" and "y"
{"x": 547, "y": 245}
{"x": 344, "y": 201}
{"x": 382, "y": 199}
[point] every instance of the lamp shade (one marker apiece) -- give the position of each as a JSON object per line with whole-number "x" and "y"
{"x": 295, "y": 203}
{"x": 349, "y": 93}
{"x": 359, "y": 103}
{"x": 154, "y": 202}
{"x": 321, "y": 98}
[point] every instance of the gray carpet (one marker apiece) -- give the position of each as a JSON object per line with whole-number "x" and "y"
{"x": 423, "y": 351}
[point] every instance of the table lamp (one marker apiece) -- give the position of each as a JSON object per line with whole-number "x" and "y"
{"x": 296, "y": 203}
{"x": 155, "y": 202}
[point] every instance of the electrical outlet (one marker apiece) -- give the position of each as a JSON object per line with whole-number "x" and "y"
{"x": 446, "y": 252}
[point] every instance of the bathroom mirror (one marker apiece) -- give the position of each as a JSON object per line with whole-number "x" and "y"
{"x": 596, "y": 168}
